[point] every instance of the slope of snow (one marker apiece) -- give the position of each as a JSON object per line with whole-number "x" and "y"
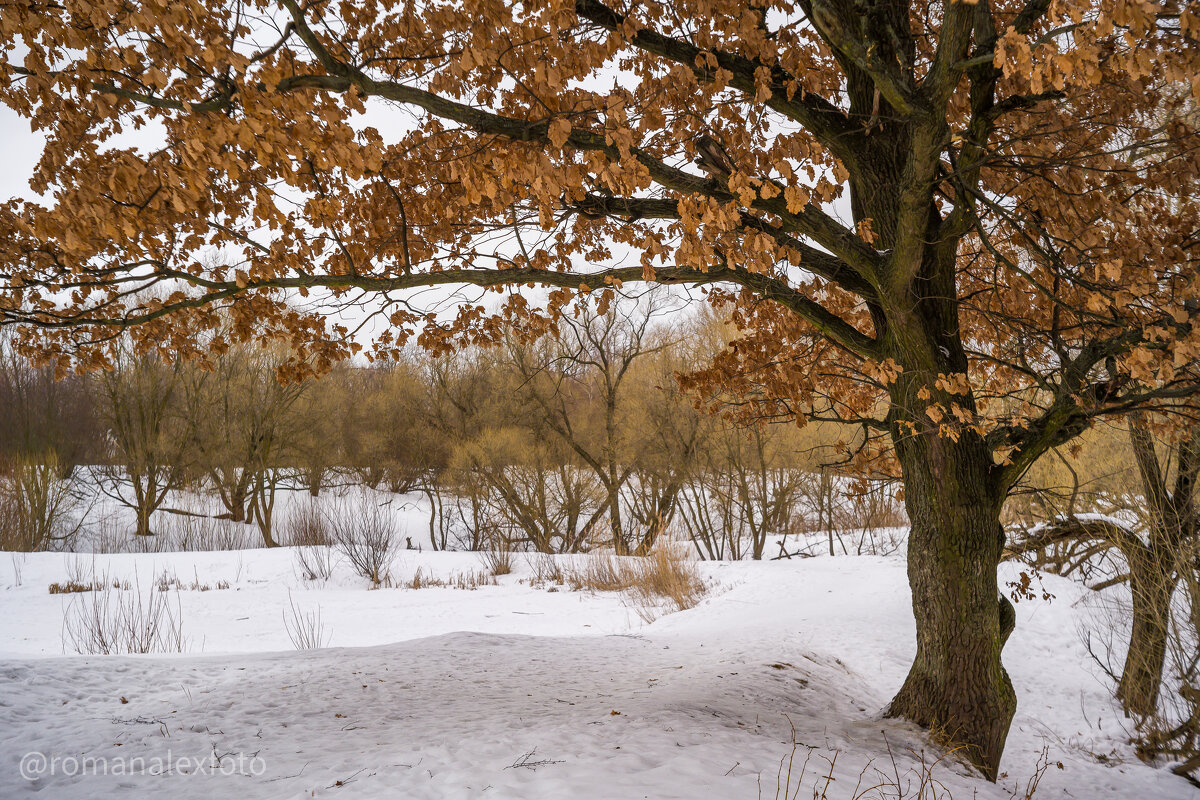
{"x": 512, "y": 691}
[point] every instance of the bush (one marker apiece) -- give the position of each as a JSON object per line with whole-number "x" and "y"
{"x": 498, "y": 561}
{"x": 305, "y": 529}
{"x": 364, "y": 532}
{"x": 305, "y": 628}
{"x": 110, "y": 621}
{"x": 545, "y": 570}
{"x": 305, "y": 525}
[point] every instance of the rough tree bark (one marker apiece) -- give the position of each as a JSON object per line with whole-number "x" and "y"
{"x": 957, "y": 686}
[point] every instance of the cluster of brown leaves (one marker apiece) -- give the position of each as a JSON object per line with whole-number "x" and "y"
{"x": 555, "y": 143}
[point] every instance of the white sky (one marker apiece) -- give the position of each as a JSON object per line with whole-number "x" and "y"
{"x": 21, "y": 150}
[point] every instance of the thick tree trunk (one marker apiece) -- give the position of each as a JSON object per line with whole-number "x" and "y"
{"x": 144, "y": 505}
{"x": 316, "y": 477}
{"x": 237, "y": 505}
{"x": 1155, "y": 567}
{"x": 263, "y": 505}
{"x": 957, "y": 686}
{"x": 620, "y": 543}
{"x": 143, "y": 521}
{"x": 1140, "y": 680}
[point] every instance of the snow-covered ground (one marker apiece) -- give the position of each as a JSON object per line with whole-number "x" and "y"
{"x": 516, "y": 691}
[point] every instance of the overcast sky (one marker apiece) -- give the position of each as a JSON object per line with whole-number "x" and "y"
{"x": 22, "y": 148}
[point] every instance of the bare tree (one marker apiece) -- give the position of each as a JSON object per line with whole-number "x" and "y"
{"x": 668, "y": 437}
{"x": 138, "y": 406}
{"x": 746, "y": 490}
{"x": 242, "y": 424}
{"x": 1153, "y": 555}
{"x": 578, "y": 380}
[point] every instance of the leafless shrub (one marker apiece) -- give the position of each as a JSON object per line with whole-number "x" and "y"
{"x": 305, "y": 628}
{"x": 196, "y": 531}
{"x": 315, "y": 562}
{"x": 1030, "y": 788}
{"x": 107, "y": 535}
{"x": 113, "y": 621}
{"x": 179, "y": 532}
{"x": 306, "y": 525}
{"x": 814, "y": 774}
{"x": 364, "y": 532}
{"x": 143, "y": 544}
{"x": 498, "y": 561}
{"x": 308, "y": 532}
{"x": 78, "y": 571}
{"x": 545, "y": 570}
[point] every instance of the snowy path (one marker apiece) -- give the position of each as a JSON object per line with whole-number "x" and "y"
{"x": 701, "y": 695}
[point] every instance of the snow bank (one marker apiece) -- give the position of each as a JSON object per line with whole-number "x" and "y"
{"x": 513, "y": 691}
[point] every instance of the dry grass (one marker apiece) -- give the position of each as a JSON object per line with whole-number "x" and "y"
{"x": 70, "y": 587}
{"x": 667, "y": 574}
{"x": 545, "y": 570}
{"x": 422, "y": 579}
{"x": 599, "y": 572}
{"x": 166, "y": 581}
{"x": 305, "y": 628}
{"x": 498, "y": 561}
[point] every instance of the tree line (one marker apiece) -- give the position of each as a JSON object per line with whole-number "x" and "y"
{"x": 580, "y": 439}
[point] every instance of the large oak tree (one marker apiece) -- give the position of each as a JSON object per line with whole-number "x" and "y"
{"x": 970, "y": 227}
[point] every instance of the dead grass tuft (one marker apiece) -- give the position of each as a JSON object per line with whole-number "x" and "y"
{"x": 69, "y": 587}
{"x": 667, "y": 574}
{"x": 422, "y": 579}
{"x": 497, "y": 562}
